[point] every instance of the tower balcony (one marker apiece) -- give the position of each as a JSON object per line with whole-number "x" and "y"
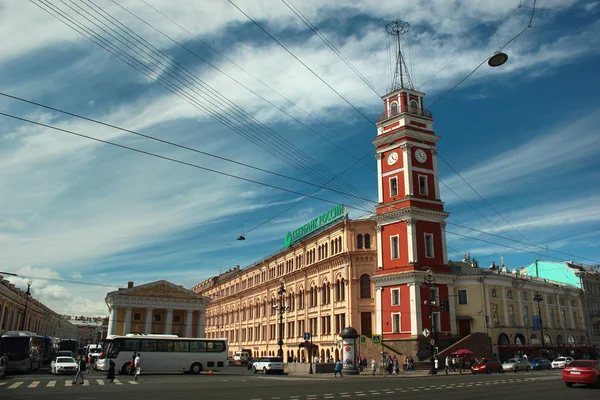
{"x": 411, "y": 110}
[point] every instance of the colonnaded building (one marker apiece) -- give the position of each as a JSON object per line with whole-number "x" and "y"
{"x": 325, "y": 269}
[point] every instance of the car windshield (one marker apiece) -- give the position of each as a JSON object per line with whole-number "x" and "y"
{"x": 560, "y": 359}
{"x": 582, "y": 363}
{"x": 64, "y": 360}
{"x": 511, "y": 361}
{"x": 274, "y": 359}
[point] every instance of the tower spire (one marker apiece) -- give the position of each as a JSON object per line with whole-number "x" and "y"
{"x": 401, "y": 78}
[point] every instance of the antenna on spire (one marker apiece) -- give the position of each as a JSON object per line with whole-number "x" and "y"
{"x": 401, "y": 78}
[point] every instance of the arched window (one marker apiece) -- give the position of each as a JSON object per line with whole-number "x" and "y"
{"x": 367, "y": 241}
{"x": 393, "y": 109}
{"x": 365, "y": 287}
{"x": 337, "y": 290}
{"x": 342, "y": 290}
{"x": 414, "y": 105}
{"x": 359, "y": 241}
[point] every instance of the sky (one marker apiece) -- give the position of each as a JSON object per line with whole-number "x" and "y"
{"x": 518, "y": 156}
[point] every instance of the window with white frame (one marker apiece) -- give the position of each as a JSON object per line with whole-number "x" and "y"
{"x": 395, "y": 247}
{"x": 495, "y": 316}
{"x": 463, "y": 298}
{"x": 429, "y": 245}
{"x": 511, "y": 314}
{"x": 423, "y": 185}
{"x": 396, "y": 322}
{"x": 395, "y": 297}
{"x": 526, "y": 315}
{"x": 393, "y": 187}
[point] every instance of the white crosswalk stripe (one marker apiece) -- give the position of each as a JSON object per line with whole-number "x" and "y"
{"x": 34, "y": 384}
{"x": 51, "y": 384}
{"x": 133, "y": 382}
{"x": 86, "y": 382}
{"x": 118, "y": 382}
{"x": 15, "y": 385}
{"x": 2, "y": 383}
{"x": 100, "y": 381}
{"x": 68, "y": 383}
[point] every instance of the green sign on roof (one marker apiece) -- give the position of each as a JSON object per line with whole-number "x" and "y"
{"x": 330, "y": 216}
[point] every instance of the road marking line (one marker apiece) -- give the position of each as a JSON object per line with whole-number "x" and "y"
{"x": 100, "y": 381}
{"x": 345, "y": 395}
{"x": 68, "y": 382}
{"x": 86, "y": 382}
{"x": 2, "y": 383}
{"x": 51, "y": 384}
{"x": 133, "y": 382}
{"x": 118, "y": 382}
{"x": 361, "y": 394}
{"x": 34, "y": 384}
{"x": 15, "y": 385}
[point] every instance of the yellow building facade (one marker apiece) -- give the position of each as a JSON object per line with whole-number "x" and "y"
{"x": 159, "y": 307}
{"x": 326, "y": 277}
{"x": 508, "y": 308}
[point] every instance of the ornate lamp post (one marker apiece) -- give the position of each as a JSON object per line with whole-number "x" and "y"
{"x": 538, "y": 298}
{"x": 27, "y": 295}
{"x": 429, "y": 280}
{"x": 282, "y": 308}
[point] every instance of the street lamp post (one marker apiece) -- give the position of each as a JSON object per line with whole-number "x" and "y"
{"x": 429, "y": 280}
{"x": 27, "y": 294}
{"x": 281, "y": 308}
{"x": 538, "y": 298}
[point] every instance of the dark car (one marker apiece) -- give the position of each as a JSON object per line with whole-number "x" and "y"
{"x": 487, "y": 367}
{"x": 250, "y": 362}
{"x": 540, "y": 363}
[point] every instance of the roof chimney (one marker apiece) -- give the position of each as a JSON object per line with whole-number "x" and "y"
{"x": 129, "y": 284}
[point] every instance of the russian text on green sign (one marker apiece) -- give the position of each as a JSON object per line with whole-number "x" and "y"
{"x": 330, "y": 216}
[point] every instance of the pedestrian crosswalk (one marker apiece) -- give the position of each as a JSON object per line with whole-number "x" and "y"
{"x": 60, "y": 383}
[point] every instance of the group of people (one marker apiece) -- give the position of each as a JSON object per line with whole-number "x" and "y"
{"x": 135, "y": 368}
{"x": 454, "y": 363}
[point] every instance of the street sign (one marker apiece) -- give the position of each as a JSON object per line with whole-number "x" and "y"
{"x": 363, "y": 339}
{"x": 376, "y": 339}
{"x": 432, "y": 342}
{"x": 426, "y": 332}
{"x": 306, "y": 336}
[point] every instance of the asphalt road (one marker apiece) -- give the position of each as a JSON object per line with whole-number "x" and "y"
{"x": 239, "y": 384}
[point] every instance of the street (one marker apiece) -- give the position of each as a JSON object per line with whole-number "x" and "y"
{"x": 240, "y": 384}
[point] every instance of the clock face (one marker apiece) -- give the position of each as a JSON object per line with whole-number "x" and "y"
{"x": 392, "y": 158}
{"x": 421, "y": 156}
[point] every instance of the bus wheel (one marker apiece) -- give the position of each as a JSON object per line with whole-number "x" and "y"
{"x": 125, "y": 369}
{"x": 196, "y": 368}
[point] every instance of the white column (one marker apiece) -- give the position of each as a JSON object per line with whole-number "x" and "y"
{"x": 520, "y": 302}
{"x": 378, "y": 311}
{"x": 407, "y": 166}
{"x": 559, "y": 311}
{"x": 416, "y": 319}
{"x": 436, "y": 181}
{"x": 444, "y": 248}
{"x": 505, "y": 306}
{"x": 548, "y": 320}
{"x": 127, "y": 324}
{"x": 169, "y": 322}
{"x": 379, "y": 247}
{"x": 149, "y": 317}
{"x": 378, "y": 156}
{"x": 490, "y": 319}
{"x": 573, "y": 324}
{"x": 112, "y": 321}
{"x": 201, "y": 324}
{"x": 451, "y": 303}
{"x": 188, "y": 323}
{"x": 2, "y": 314}
{"x": 411, "y": 240}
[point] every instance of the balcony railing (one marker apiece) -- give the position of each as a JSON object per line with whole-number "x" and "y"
{"x": 411, "y": 110}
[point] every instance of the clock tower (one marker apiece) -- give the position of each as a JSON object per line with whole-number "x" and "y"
{"x": 413, "y": 281}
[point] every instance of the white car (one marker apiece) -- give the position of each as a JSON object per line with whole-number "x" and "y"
{"x": 63, "y": 365}
{"x": 268, "y": 365}
{"x": 561, "y": 362}
{"x": 516, "y": 364}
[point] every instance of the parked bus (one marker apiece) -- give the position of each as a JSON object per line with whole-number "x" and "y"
{"x": 71, "y": 345}
{"x": 51, "y": 347}
{"x": 164, "y": 353}
{"x": 25, "y": 350}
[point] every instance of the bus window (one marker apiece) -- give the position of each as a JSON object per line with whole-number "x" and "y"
{"x": 130, "y": 345}
{"x": 166, "y": 345}
{"x": 197, "y": 346}
{"x": 149, "y": 345}
{"x": 216, "y": 347}
{"x": 181, "y": 346}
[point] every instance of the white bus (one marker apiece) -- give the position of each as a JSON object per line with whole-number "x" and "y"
{"x": 164, "y": 353}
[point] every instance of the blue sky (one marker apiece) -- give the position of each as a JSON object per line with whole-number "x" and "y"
{"x": 524, "y": 136}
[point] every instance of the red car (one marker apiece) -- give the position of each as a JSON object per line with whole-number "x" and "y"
{"x": 582, "y": 371}
{"x": 487, "y": 367}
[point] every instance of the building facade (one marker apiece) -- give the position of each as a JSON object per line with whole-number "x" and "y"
{"x": 39, "y": 318}
{"x": 159, "y": 307}
{"x": 326, "y": 276}
{"x": 583, "y": 277}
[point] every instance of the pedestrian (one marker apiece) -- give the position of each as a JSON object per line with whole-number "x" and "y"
{"x": 80, "y": 369}
{"x": 111, "y": 371}
{"x": 132, "y": 364}
{"x": 374, "y": 366}
{"x": 396, "y": 366}
{"x": 437, "y": 364}
{"x": 448, "y": 361}
{"x": 338, "y": 369}
{"x": 90, "y": 361}
{"x": 138, "y": 367}
{"x": 461, "y": 361}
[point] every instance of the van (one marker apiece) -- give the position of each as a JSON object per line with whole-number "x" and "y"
{"x": 241, "y": 356}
